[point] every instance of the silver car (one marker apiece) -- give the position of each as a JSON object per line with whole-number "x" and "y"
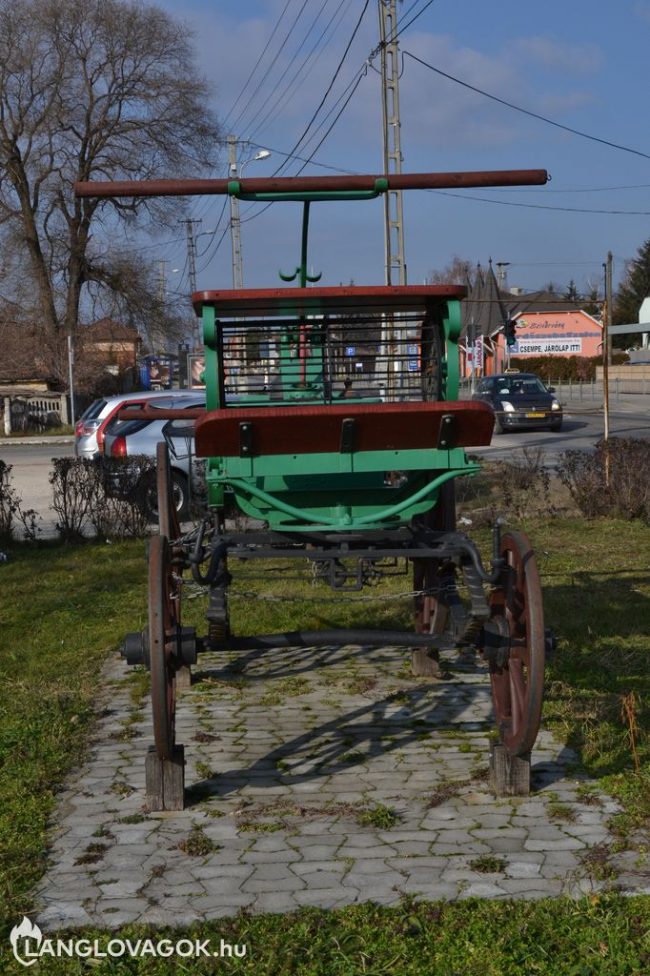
{"x": 140, "y": 438}
{"x": 92, "y": 425}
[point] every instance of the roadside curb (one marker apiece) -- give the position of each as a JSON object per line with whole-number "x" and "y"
{"x": 40, "y": 441}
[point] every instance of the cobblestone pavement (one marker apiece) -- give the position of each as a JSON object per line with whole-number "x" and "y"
{"x": 319, "y": 777}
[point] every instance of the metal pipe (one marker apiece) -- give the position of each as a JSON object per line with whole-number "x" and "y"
{"x": 310, "y": 638}
{"x": 309, "y": 184}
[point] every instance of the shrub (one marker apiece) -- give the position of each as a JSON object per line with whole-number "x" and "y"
{"x": 614, "y": 480}
{"x": 86, "y": 505}
{"x": 76, "y": 483}
{"x": 11, "y": 509}
{"x": 563, "y": 369}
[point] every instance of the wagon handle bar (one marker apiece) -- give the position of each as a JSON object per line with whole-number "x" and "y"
{"x": 311, "y": 184}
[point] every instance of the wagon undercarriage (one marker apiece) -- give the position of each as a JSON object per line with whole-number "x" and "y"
{"x": 459, "y": 605}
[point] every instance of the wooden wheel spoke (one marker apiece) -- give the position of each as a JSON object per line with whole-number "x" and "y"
{"x": 517, "y": 694}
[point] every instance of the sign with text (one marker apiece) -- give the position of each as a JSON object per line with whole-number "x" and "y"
{"x": 546, "y": 347}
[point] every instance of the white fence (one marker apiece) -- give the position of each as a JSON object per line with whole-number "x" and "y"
{"x": 34, "y": 411}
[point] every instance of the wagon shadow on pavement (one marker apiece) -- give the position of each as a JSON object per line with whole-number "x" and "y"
{"x": 420, "y": 723}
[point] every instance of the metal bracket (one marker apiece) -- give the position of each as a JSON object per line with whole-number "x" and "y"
{"x": 245, "y": 439}
{"x": 447, "y": 432}
{"x": 348, "y": 435}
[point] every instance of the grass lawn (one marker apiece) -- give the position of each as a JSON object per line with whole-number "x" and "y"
{"x": 64, "y": 609}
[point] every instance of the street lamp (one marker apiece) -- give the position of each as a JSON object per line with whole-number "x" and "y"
{"x": 236, "y": 170}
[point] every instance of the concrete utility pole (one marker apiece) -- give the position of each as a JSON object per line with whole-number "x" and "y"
{"x": 191, "y": 250}
{"x": 394, "y": 220}
{"x": 162, "y": 283}
{"x": 393, "y": 337}
{"x": 607, "y": 357}
{"x": 235, "y": 228}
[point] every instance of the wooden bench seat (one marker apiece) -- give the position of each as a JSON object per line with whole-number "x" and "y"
{"x": 316, "y": 429}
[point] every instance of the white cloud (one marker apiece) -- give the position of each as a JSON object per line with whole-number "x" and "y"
{"x": 642, "y": 10}
{"x": 549, "y": 52}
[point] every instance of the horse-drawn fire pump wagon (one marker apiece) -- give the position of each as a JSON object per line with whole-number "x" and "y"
{"x": 351, "y": 473}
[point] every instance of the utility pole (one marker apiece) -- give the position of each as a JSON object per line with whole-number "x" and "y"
{"x": 191, "y": 250}
{"x": 235, "y": 230}
{"x": 393, "y": 213}
{"x": 155, "y": 336}
{"x": 162, "y": 283}
{"x": 393, "y": 337}
{"x": 607, "y": 356}
{"x": 191, "y": 263}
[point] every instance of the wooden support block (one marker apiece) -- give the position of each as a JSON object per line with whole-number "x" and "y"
{"x": 165, "y": 780}
{"x": 509, "y": 775}
{"x": 425, "y": 663}
{"x": 183, "y": 678}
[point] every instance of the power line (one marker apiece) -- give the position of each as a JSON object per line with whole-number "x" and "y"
{"x": 293, "y": 85}
{"x": 255, "y": 66}
{"x": 542, "y": 206}
{"x": 234, "y": 124}
{"x": 294, "y": 57}
{"x": 525, "y": 111}
{"x": 331, "y": 84}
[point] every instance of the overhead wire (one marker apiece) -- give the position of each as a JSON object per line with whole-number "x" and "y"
{"x": 273, "y": 62}
{"x": 255, "y": 66}
{"x": 332, "y": 81}
{"x": 305, "y": 69}
{"x": 251, "y": 122}
{"x": 525, "y": 111}
{"x": 542, "y": 206}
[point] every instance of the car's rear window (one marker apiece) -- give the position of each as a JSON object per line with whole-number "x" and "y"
{"x": 94, "y": 410}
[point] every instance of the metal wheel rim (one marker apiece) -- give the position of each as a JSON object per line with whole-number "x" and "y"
{"x": 163, "y": 619}
{"x": 167, "y": 516}
{"x": 518, "y": 687}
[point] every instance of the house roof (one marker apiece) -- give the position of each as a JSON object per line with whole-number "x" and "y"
{"x": 487, "y": 306}
{"x": 485, "y": 311}
{"x": 108, "y": 330}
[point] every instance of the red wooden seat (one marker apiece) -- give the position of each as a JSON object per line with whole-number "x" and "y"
{"x": 314, "y": 429}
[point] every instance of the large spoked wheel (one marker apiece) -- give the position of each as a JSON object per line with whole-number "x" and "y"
{"x": 167, "y": 509}
{"x": 517, "y": 671}
{"x": 164, "y": 620}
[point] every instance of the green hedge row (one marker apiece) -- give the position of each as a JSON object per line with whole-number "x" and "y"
{"x": 564, "y": 368}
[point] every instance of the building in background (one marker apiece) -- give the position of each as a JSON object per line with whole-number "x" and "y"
{"x": 545, "y": 324}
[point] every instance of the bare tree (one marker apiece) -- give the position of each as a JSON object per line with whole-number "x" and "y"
{"x": 89, "y": 89}
{"x": 459, "y": 271}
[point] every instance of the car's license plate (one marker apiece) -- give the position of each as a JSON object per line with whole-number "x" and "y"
{"x": 535, "y": 414}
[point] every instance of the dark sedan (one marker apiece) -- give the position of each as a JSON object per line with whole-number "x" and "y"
{"x": 520, "y": 400}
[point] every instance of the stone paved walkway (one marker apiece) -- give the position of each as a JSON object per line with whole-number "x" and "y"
{"x": 319, "y": 777}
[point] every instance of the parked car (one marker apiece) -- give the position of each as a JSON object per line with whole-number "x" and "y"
{"x": 138, "y": 438}
{"x": 91, "y": 426}
{"x": 520, "y": 400}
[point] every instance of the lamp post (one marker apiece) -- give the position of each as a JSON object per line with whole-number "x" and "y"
{"x": 236, "y": 171}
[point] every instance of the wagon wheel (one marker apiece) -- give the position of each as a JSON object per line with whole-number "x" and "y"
{"x": 431, "y": 611}
{"x": 167, "y": 514}
{"x": 164, "y": 619}
{"x": 518, "y": 677}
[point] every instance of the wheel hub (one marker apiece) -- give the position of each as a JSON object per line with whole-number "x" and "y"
{"x": 495, "y": 641}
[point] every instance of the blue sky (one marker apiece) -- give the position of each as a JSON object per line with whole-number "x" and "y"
{"x": 581, "y": 63}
